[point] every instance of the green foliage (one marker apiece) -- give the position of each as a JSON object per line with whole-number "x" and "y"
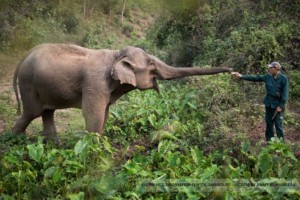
{"x": 69, "y": 22}
{"x": 295, "y": 85}
{"x": 42, "y": 170}
{"x": 158, "y": 146}
{"x": 188, "y": 141}
{"x": 244, "y": 49}
{"x": 227, "y": 33}
{"x": 174, "y": 171}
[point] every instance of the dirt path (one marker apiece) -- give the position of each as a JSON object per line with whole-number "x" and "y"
{"x": 7, "y": 66}
{"x": 6, "y": 87}
{"x": 291, "y": 130}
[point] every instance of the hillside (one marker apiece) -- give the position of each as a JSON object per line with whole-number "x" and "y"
{"x": 202, "y": 137}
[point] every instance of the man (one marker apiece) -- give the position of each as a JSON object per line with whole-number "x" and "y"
{"x": 276, "y": 85}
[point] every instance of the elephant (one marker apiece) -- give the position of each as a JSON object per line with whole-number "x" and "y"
{"x": 59, "y": 76}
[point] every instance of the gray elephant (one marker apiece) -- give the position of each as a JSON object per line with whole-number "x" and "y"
{"x": 58, "y": 76}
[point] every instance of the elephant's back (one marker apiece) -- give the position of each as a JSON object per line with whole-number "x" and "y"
{"x": 54, "y": 72}
{"x": 61, "y": 51}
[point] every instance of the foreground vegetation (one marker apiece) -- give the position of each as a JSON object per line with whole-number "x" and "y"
{"x": 197, "y": 139}
{"x": 91, "y": 168}
{"x": 174, "y": 145}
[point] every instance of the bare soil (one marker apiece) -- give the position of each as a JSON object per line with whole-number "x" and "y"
{"x": 2, "y": 127}
{"x": 291, "y": 133}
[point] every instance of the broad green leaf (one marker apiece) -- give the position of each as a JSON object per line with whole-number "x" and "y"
{"x": 79, "y": 147}
{"x": 174, "y": 126}
{"x": 173, "y": 160}
{"x": 247, "y": 174}
{"x": 76, "y": 196}
{"x": 291, "y": 155}
{"x": 210, "y": 171}
{"x": 132, "y": 168}
{"x": 152, "y": 119}
{"x": 232, "y": 168}
{"x": 252, "y": 158}
{"x": 145, "y": 173}
{"x": 140, "y": 159}
{"x": 124, "y": 150}
{"x": 116, "y": 114}
{"x": 162, "y": 135}
{"x": 72, "y": 166}
{"x": 163, "y": 147}
{"x": 49, "y": 172}
{"x": 197, "y": 155}
{"x": 12, "y": 159}
{"x": 192, "y": 105}
{"x": 245, "y": 147}
{"x": 20, "y": 152}
{"x": 106, "y": 144}
{"x": 31, "y": 174}
{"x": 283, "y": 172}
{"x": 36, "y": 152}
{"x": 105, "y": 164}
{"x": 265, "y": 162}
{"x": 27, "y": 165}
{"x": 57, "y": 176}
{"x": 265, "y": 184}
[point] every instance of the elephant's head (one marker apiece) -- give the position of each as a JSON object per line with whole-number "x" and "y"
{"x": 135, "y": 67}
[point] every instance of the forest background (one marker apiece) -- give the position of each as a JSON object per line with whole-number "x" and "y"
{"x": 199, "y": 130}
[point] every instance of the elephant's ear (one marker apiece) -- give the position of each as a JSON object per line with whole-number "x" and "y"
{"x": 122, "y": 70}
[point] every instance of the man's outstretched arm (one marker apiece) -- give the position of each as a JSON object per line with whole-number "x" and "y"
{"x": 255, "y": 78}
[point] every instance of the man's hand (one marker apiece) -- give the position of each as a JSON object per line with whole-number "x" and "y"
{"x": 278, "y": 109}
{"x": 236, "y": 75}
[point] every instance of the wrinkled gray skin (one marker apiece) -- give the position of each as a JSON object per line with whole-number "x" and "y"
{"x": 58, "y": 76}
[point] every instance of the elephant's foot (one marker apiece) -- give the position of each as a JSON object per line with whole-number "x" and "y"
{"x": 17, "y": 131}
{"x": 21, "y": 124}
{"x": 50, "y": 136}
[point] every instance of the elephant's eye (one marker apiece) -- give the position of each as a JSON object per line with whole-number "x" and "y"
{"x": 152, "y": 64}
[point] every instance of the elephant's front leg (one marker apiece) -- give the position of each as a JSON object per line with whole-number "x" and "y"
{"x": 94, "y": 111}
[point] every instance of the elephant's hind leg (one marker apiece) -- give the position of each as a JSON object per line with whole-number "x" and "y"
{"x": 49, "y": 125}
{"x": 22, "y": 123}
{"x": 32, "y": 107}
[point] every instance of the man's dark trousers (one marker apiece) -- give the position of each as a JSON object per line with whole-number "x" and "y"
{"x": 278, "y": 121}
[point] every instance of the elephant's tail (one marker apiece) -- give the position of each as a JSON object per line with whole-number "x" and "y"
{"x": 16, "y": 88}
{"x": 16, "y": 75}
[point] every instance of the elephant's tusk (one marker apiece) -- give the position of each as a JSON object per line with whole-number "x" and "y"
{"x": 156, "y": 86}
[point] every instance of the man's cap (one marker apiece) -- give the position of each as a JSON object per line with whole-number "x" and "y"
{"x": 274, "y": 64}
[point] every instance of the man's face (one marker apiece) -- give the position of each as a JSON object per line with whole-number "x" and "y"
{"x": 273, "y": 70}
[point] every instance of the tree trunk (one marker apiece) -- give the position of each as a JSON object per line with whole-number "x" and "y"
{"x": 123, "y": 10}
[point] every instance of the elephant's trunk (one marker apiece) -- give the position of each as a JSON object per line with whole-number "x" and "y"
{"x": 166, "y": 72}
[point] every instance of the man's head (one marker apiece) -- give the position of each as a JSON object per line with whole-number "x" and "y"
{"x": 274, "y": 68}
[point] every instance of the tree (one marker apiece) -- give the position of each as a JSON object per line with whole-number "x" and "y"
{"x": 123, "y": 10}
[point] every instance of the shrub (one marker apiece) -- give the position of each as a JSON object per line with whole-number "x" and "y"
{"x": 69, "y": 21}
{"x": 98, "y": 36}
{"x": 295, "y": 85}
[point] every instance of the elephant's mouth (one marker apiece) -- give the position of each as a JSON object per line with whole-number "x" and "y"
{"x": 155, "y": 85}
